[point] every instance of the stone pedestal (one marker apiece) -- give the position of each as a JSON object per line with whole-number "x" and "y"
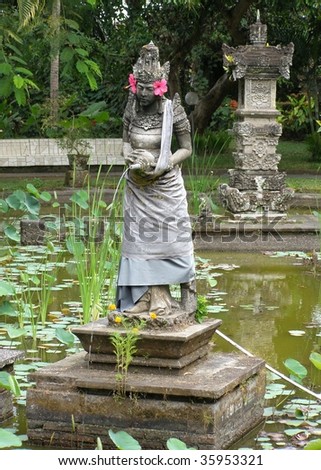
{"x": 256, "y": 188}
{"x": 175, "y": 387}
{"x": 76, "y": 178}
{"x": 32, "y": 232}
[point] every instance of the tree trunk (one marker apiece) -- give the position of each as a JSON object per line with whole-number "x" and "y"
{"x": 200, "y": 117}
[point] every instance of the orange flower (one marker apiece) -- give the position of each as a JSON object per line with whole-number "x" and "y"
{"x": 233, "y": 104}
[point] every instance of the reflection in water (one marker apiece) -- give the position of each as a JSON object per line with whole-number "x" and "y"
{"x": 267, "y": 297}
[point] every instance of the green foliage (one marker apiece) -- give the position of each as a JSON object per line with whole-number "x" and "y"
{"x": 9, "y": 382}
{"x": 123, "y": 440}
{"x": 315, "y": 358}
{"x": 98, "y": 68}
{"x": 314, "y": 146}
{"x": 297, "y": 371}
{"x": 65, "y": 337}
{"x": 201, "y": 311}
{"x": 176, "y": 444}
{"x": 199, "y": 169}
{"x": 295, "y": 116}
{"x": 96, "y": 259}
{"x": 8, "y": 439}
{"x": 315, "y": 444}
{"x": 124, "y": 343}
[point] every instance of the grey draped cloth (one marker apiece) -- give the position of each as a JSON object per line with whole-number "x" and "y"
{"x": 157, "y": 247}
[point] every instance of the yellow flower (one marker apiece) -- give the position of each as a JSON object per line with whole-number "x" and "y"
{"x": 135, "y": 330}
{"x": 229, "y": 58}
{"x": 118, "y": 319}
{"x": 112, "y": 307}
{"x": 153, "y": 315}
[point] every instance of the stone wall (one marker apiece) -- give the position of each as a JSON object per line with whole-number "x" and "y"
{"x": 46, "y": 152}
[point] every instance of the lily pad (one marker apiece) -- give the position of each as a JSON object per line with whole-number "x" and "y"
{"x": 297, "y": 332}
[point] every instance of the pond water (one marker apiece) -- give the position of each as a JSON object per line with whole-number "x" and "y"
{"x": 270, "y": 304}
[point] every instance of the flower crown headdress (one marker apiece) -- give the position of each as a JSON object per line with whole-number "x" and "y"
{"x": 148, "y": 69}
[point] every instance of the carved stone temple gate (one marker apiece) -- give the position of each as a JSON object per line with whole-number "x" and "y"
{"x": 256, "y": 187}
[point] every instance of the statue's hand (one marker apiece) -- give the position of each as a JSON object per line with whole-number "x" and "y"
{"x": 143, "y": 158}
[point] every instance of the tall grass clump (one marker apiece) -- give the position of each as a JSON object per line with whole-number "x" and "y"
{"x": 92, "y": 239}
{"x": 199, "y": 169}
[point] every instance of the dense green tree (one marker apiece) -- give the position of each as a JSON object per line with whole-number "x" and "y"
{"x": 189, "y": 33}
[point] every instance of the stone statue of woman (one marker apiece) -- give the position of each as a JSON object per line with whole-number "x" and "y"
{"x": 157, "y": 249}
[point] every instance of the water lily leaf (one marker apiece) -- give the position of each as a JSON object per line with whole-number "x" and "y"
{"x": 33, "y": 190}
{"x": 293, "y": 432}
{"x": 9, "y": 382}
{"x": 15, "y": 332}
{"x": 45, "y": 196}
{"x": 6, "y": 288}
{"x": 315, "y": 358}
{"x": 65, "y": 336}
{"x": 8, "y": 439}
{"x": 315, "y": 444}
{"x": 12, "y": 233}
{"x": 211, "y": 281}
{"x": 123, "y": 440}
{"x": 296, "y": 368}
{"x": 297, "y": 332}
{"x": 3, "y": 206}
{"x": 74, "y": 247}
{"x": 32, "y": 204}
{"x": 16, "y": 200}
{"x": 6, "y": 308}
{"x": 176, "y": 444}
{"x": 80, "y": 198}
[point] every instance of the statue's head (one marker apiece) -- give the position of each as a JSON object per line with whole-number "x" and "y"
{"x": 148, "y": 76}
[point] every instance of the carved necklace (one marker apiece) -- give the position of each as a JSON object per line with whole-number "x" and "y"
{"x": 148, "y": 121}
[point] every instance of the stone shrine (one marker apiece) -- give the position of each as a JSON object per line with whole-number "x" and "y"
{"x": 256, "y": 188}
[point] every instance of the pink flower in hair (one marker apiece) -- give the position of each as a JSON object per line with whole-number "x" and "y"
{"x": 132, "y": 83}
{"x": 160, "y": 87}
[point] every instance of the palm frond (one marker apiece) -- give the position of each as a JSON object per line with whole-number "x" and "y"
{"x": 28, "y": 10}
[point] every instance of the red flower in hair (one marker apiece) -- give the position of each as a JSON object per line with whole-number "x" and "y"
{"x": 160, "y": 87}
{"x": 132, "y": 83}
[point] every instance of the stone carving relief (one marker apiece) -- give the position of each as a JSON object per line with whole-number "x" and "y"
{"x": 260, "y": 149}
{"x": 242, "y": 180}
{"x": 251, "y": 201}
{"x": 260, "y": 95}
{"x": 251, "y": 161}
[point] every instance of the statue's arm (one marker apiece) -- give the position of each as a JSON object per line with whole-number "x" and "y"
{"x": 182, "y": 131}
{"x": 126, "y": 148}
{"x": 184, "y": 151}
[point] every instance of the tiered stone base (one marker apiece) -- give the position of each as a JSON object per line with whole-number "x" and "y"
{"x": 209, "y": 403}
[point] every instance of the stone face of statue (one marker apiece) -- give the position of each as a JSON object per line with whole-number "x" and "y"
{"x": 145, "y": 94}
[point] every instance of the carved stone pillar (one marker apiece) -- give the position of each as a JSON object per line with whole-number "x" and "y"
{"x": 256, "y": 188}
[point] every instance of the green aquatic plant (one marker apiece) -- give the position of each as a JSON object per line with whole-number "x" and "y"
{"x": 7, "y": 438}
{"x": 124, "y": 441}
{"x": 93, "y": 241}
{"x": 124, "y": 343}
{"x": 201, "y": 312}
